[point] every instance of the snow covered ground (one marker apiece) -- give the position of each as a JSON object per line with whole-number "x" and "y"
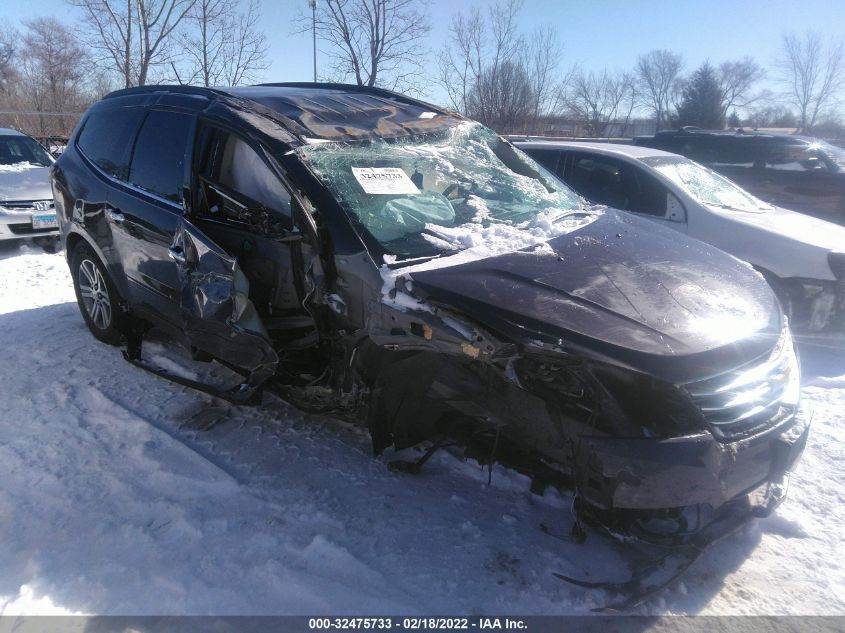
{"x": 122, "y": 493}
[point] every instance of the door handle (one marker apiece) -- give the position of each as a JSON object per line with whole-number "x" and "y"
{"x": 115, "y": 216}
{"x": 176, "y": 254}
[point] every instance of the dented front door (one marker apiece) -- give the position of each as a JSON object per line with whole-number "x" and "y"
{"x": 217, "y": 315}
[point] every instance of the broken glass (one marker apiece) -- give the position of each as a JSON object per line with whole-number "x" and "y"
{"x": 704, "y": 185}
{"x": 402, "y": 191}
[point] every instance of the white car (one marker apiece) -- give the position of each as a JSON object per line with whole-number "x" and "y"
{"x": 26, "y": 198}
{"x": 802, "y": 257}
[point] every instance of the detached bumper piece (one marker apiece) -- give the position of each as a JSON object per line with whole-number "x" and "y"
{"x": 662, "y": 490}
{"x": 681, "y": 535}
{"x": 654, "y": 574}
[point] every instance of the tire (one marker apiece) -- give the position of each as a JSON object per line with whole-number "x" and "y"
{"x": 97, "y": 297}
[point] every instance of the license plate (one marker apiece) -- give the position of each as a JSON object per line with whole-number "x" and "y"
{"x": 44, "y": 221}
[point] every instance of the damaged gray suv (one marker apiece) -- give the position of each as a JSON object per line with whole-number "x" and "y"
{"x": 372, "y": 255}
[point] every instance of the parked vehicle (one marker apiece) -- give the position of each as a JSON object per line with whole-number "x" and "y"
{"x": 26, "y": 199}
{"x": 796, "y": 172}
{"x": 803, "y": 258}
{"x": 377, "y": 256}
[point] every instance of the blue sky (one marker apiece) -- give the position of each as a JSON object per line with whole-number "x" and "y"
{"x": 595, "y": 33}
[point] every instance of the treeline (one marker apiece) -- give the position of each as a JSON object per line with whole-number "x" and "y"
{"x": 489, "y": 69}
{"x": 50, "y": 70}
{"x": 519, "y": 82}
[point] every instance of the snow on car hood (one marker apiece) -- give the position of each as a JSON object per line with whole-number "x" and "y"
{"x": 24, "y": 181}
{"x": 787, "y": 243}
{"x": 621, "y": 284}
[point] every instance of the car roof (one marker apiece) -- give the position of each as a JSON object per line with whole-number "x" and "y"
{"x": 5, "y": 131}
{"x": 609, "y": 149}
{"x": 327, "y": 111}
{"x": 731, "y": 133}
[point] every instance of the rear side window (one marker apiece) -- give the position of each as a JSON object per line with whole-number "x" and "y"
{"x": 700, "y": 149}
{"x": 158, "y": 162}
{"x": 737, "y": 152}
{"x": 107, "y": 137}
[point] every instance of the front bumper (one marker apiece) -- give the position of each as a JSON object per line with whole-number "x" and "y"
{"x": 697, "y": 470}
{"x": 26, "y": 219}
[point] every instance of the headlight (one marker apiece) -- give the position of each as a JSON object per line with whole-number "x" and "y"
{"x": 836, "y": 261}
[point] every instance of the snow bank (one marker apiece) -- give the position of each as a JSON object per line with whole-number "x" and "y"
{"x": 19, "y": 167}
{"x": 122, "y": 493}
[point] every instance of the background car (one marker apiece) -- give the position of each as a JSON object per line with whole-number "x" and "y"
{"x": 26, "y": 199}
{"x": 802, "y": 257}
{"x": 797, "y": 172}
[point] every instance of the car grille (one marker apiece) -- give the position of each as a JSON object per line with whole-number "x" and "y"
{"x": 28, "y": 206}
{"x": 750, "y": 399}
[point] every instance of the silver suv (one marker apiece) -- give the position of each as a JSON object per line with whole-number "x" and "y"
{"x": 26, "y": 199}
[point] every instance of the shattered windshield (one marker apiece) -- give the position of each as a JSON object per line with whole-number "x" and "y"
{"x": 409, "y": 193}
{"x": 704, "y": 185}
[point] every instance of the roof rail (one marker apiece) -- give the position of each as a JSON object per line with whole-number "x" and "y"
{"x": 374, "y": 90}
{"x": 151, "y": 89}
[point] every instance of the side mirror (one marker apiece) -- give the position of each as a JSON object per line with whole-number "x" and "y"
{"x": 675, "y": 211}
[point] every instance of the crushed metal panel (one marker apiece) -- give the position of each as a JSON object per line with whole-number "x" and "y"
{"x": 336, "y": 115}
{"x": 217, "y": 315}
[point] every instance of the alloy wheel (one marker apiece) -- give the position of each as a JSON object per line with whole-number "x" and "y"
{"x": 95, "y": 294}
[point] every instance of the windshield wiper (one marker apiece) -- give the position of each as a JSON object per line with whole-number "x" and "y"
{"x": 724, "y": 205}
{"x": 412, "y": 260}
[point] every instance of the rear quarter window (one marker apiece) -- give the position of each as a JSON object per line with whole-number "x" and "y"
{"x": 158, "y": 161}
{"x": 107, "y": 138}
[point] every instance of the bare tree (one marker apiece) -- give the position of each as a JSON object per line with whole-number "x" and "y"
{"x": 630, "y": 99}
{"x": 543, "y": 58}
{"x": 503, "y": 98}
{"x": 676, "y": 96}
{"x": 373, "y": 42}
{"x": 52, "y": 74}
{"x": 460, "y": 61}
{"x": 8, "y": 45}
{"x": 130, "y": 37}
{"x": 736, "y": 80}
{"x": 771, "y": 115}
{"x": 222, "y": 46}
{"x": 100, "y": 84}
{"x": 813, "y": 74}
{"x": 495, "y": 74}
{"x": 656, "y": 72}
{"x": 600, "y": 97}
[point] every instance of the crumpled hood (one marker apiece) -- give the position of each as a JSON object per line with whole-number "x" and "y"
{"x": 624, "y": 287}
{"x": 31, "y": 183}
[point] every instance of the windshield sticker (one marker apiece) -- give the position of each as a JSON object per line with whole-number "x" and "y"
{"x": 384, "y": 180}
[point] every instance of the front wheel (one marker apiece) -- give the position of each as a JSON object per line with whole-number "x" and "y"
{"x": 96, "y": 295}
